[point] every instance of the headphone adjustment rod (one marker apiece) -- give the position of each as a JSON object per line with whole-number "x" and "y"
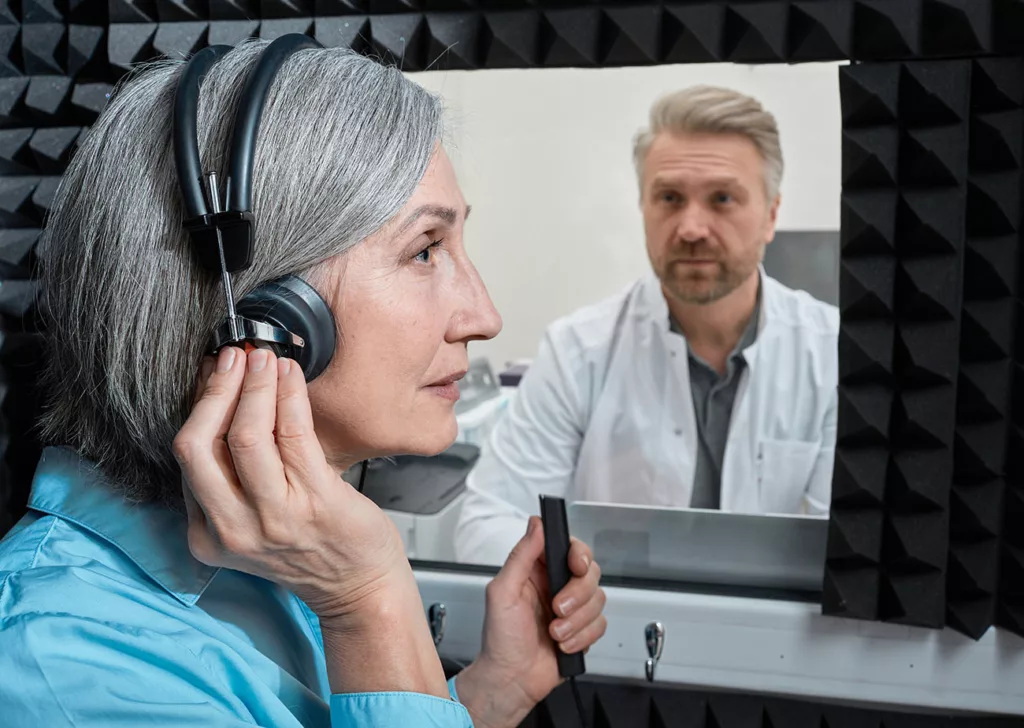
{"x": 214, "y": 205}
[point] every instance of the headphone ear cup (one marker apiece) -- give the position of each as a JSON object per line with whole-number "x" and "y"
{"x": 292, "y": 304}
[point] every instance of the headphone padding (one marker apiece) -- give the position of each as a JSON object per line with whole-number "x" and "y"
{"x": 292, "y": 304}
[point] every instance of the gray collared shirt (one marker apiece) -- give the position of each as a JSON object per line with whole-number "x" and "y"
{"x": 713, "y": 398}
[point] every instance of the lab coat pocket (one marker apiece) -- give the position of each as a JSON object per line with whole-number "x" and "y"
{"x": 784, "y": 468}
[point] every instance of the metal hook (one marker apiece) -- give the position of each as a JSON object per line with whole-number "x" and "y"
{"x": 654, "y": 635}
{"x": 437, "y": 616}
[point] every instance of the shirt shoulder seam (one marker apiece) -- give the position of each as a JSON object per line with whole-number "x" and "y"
{"x": 42, "y": 539}
{"x": 32, "y": 563}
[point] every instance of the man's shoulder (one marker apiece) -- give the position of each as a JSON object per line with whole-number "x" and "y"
{"x": 798, "y": 309}
{"x": 593, "y": 326}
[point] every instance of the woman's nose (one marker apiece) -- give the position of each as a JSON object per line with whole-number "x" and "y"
{"x": 477, "y": 319}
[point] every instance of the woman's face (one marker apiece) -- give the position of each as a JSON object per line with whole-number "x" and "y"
{"x": 407, "y": 302}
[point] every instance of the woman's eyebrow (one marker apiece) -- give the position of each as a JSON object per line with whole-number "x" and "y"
{"x": 447, "y": 215}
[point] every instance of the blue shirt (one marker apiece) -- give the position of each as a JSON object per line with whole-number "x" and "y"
{"x": 107, "y": 620}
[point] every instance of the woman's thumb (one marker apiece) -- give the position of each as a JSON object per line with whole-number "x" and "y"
{"x": 519, "y": 564}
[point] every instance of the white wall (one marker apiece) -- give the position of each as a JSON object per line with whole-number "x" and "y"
{"x": 544, "y": 158}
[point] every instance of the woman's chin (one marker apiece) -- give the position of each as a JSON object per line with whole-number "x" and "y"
{"x": 433, "y": 440}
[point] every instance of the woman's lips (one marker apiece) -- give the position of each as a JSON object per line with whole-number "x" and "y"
{"x": 447, "y": 388}
{"x": 445, "y": 391}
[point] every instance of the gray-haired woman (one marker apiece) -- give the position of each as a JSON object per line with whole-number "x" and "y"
{"x": 191, "y": 555}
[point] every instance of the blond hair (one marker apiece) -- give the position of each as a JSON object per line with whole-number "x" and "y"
{"x": 713, "y": 110}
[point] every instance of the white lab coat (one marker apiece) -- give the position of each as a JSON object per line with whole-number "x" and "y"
{"x": 605, "y": 414}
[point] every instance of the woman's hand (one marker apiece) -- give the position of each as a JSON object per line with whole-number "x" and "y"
{"x": 517, "y": 667}
{"x": 262, "y": 499}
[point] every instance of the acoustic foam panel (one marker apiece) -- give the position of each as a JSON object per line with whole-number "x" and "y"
{"x": 867, "y": 288}
{"x": 990, "y": 293}
{"x": 930, "y": 246}
{"x": 755, "y": 32}
{"x": 1004, "y": 86}
{"x": 904, "y": 225}
{"x": 1008, "y": 26}
{"x": 886, "y": 30}
{"x": 454, "y": 40}
{"x": 469, "y": 35}
{"x": 693, "y": 33}
{"x": 869, "y": 267}
{"x": 820, "y": 31}
{"x": 632, "y": 35}
{"x": 956, "y": 27}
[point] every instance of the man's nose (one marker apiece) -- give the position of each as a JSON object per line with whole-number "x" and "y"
{"x": 692, "y": 225}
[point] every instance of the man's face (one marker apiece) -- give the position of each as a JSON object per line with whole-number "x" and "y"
{"x": 706, "y": 214}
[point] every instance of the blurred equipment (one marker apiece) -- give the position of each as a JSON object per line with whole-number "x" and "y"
{"x": 513, "y": 373}
{"x": 421, "y": 496}
{"x": 703, "y": 546}
{"x": 477, "y": 387}
{"x": 481, "y": 402}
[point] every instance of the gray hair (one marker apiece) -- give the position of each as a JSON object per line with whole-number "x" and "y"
{"x": 343, "y": 143}
{"x": 713, "y": 110}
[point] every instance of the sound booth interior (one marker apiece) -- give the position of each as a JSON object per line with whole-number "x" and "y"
{"x": 929, "y": 467}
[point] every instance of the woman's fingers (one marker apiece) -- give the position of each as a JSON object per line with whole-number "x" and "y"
{"x": 299, "y": 448}
{"x": 251, "y": 435}
{"x": 566, "y": 628}
{"x": 579, "y": 590}
{"x": 205, "y": 370}
{"x": 580, "y": 604}
{"x": 198, "y": 446}
{"x": 580, "y": 557}
{"x": 586, "y": 637}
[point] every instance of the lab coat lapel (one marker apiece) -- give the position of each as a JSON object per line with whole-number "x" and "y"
{"x": 679, "y": 429}
{"x": 740, "y": 481}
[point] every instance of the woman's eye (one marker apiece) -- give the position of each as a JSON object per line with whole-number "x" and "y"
{"x": 424, "y": 255}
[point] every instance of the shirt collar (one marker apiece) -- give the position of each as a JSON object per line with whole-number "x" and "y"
{"x": 154, "y": 537}
{"x": 754, "y": 324}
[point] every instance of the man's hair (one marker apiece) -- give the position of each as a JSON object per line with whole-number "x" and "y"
{"x": 713, "y": 110}
{"x": 343, "y": 143}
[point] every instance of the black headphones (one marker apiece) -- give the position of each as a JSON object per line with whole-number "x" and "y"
{"x": 286, "y": 315}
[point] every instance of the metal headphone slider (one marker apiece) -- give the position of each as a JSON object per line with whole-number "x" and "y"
{"x": 236, "y": 233}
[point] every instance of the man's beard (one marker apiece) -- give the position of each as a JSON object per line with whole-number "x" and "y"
{"x": 704, "y": 285}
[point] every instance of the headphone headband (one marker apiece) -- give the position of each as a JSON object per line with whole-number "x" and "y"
{"x": 184, "y": 125}
{"x": 250, "y": 110}
{"x": 206, "y": 223}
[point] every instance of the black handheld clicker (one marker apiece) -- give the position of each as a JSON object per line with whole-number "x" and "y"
{"x": 556, "y": 551}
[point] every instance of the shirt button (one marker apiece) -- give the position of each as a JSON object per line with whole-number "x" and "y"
{"x": 678, "y": 432}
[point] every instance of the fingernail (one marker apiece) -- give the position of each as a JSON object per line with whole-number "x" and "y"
{"x": 257, "y": 360}
{"x": 586, "y": 561}
{"x": 569, "y": 647}
{"x": 225, "y": 359}
{"x": 530, "y": 524}
{"x": 561, "y": 630}
{"x": 284, "y": 366}
{"x": 207, "y": 368}
{"x": 565, "y": 606}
